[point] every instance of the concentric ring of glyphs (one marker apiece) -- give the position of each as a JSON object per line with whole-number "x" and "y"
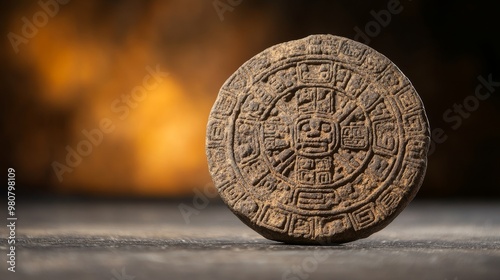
{"x": 315, "y": 137}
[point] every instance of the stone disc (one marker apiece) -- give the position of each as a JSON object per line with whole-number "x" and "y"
{"x": 319, "y": 140}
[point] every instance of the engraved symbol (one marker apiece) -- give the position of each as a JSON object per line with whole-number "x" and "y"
{"x": 380, "y": 111}
{"x": 388, "y": 201}
{"x": 247, "y": 206}
{"x": 408, "y": 174}
{"x": 236, "y": 84}
{"x": 416, "y": 149}
{"x": 408, "y": 100}
{"x": 252, "y": 108}
{"x": 414, "y": 123}
{"x": 369, "y": 97}
{"x": 275, "y": 136}
{"x": 321, "y": 46}
{"x": 275, "y": 219}
{"x": 392, "y": 80}
{"x": 378, "y": 167}
{"x": 278, "y": 146}
{"x": 306, "y": 100}
{"x": 215, "y": 132}
{"x": 255, "y": 171}
{"x": 316, "y": 200}
{"x": 225, "y": 104}
{"x": 355, "y": 85}
{"x": 316, "y": 136}
{"x": 352, "y": 51}
{"x": 217, "y": 154}
{"x": 314, "y": 46}
{"x": 267, "y": 185}
{"x": 375, "y": 63}
{"x": 246, "y": 146}
{"x": 260, "y": 63}
{"x": 263, "y": 95}
{"x": 312, "y": 171}
{"x": 352, "y": 84}
{"x": 232, "y": 193}
{"x": 315, "y": 72}
{"x": 315, "y": 100}
{"x": 283, "y": 79}
{"x": 301, "y": 227}
{"x": 385, "y": 140}
{"x": 305, "y": 170}
{"x": 363, "y": 217}
{"x": 354, "y": 137}
{"x": 333, "y": 225}
{"x": 389, "y": 79}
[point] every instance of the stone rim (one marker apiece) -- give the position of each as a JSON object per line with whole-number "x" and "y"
{"x": 383, "y": 206}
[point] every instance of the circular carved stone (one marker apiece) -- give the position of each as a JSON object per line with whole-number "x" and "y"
{"x": 319, "y": 140}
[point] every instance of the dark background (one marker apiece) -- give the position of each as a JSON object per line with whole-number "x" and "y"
{"x": 65, "y": 78}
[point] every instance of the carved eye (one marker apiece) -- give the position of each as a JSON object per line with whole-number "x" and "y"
{"x": 326, "y": 127}
{"x": 306, "y": 127}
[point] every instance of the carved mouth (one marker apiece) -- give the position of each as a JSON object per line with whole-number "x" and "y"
{"x": 315, "y": 140}
{"x": 317, "y": 146}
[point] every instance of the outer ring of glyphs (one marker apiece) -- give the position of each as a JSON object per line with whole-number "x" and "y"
{"x": 319, "y": 140}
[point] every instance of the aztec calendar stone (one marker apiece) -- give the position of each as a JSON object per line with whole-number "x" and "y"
{"x": 320, "y": 140}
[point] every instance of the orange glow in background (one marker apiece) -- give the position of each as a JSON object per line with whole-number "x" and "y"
{"x": 80, "y": 68}
{"x": 89, "y": 55}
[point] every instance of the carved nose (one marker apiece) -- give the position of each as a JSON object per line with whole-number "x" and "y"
{"x": 313, "y": 133}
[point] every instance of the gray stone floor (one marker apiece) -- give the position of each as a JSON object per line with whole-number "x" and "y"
{"x": 128, "y": 240}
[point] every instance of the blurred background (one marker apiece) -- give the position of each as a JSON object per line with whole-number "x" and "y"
{"x": 111, "y": 98}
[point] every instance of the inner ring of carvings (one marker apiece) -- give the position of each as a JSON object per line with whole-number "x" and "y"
{"x": 314, "y": 135}
{"x": 309, "y": 139}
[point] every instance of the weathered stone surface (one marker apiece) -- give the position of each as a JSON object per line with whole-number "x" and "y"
{"x": 61, "y": 239}
{"x": 319, "y": 140}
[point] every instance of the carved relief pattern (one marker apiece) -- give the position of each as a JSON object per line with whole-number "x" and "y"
{"x": 324, "y": 141}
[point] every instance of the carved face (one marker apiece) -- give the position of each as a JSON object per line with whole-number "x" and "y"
{"x": 315, "y": 135}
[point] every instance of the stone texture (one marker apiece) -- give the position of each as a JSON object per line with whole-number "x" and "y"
{"x": 319, "y": 140}
{"x": 81, "y": 240}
